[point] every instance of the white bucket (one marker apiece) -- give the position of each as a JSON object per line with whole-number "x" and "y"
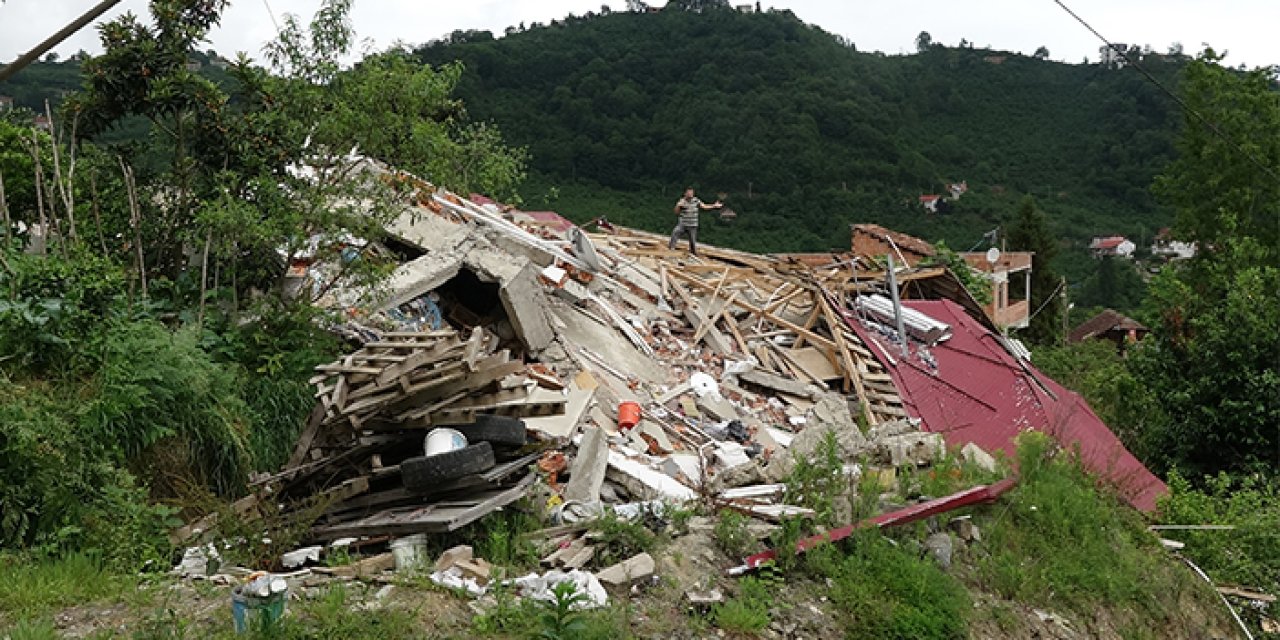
{"x": 410, "y": 551}
{"x": 442, "y": 440}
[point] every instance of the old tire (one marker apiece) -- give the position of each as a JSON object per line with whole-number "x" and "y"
{"x": 499, "y": 430}
{"x": 424, "y": 473}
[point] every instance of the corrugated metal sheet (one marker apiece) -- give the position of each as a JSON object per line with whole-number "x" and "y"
{"x": 972, "y": 390}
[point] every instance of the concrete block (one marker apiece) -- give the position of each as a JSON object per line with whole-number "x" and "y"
{"x": 589, "y": 467}
{"x": 521, "y": 299}
{"x": 629, "y": 571}
{"x": 451, "y": 557}
{"x": 975, "y": 455}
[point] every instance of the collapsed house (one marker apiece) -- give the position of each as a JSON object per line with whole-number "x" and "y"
{"x": 642, "y": 373}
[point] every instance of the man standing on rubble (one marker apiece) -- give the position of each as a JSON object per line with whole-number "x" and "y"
{"x": 688, "y": 208}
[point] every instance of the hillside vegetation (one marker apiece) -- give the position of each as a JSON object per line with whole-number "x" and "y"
{"x": 805, "y": 134}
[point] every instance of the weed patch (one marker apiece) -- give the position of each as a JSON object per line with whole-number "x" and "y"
{"x": 30, "y": 589}
{"x": 885, "y": 592}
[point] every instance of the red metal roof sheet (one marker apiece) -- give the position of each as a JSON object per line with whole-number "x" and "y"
{"x": 980, "y": 393}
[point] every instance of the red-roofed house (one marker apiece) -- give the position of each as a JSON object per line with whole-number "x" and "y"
{"x": 971, "y": 389}
{"x": 1111, "y": 246}
{"x": 930, "y": 203}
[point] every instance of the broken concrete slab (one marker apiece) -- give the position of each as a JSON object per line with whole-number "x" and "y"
{"x": 589, "y": 467}
{"x": 522, "y": 300}
{"x": 940, "y": 547}
{"x": 579, "y": 400}
{"x": 829, "y": 415}
{"x": 645, "y": 483}
{"x": 975, "y": 455}
{"x": 777, "y": 383}
{"x": 718, "y": 408}
{"x": 629, "y": 571}
{"x": 911, "y": 448}
{"x": 965, "y": 528}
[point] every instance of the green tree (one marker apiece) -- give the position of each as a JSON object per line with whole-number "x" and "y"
{"x": 1213, "y": 357}
{"x": 1028, "y": 231}
{"x": 1228, "y": 165}
{"x": 924, "y": 42}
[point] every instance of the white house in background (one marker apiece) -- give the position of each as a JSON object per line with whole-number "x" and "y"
{"x": 957, "y": 189}
{"x": 930, "y": 202}
{"x": 1170, "y": 249}
{"x": 1112, "y": 246}
{"x": 1113, "y": 55}
{"x": 745, "y": 8}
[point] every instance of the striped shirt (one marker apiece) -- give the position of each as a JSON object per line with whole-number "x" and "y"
{"x": 689, "y": 208}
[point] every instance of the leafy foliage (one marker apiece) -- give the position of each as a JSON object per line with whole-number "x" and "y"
{"x": 884, "y": 591}
{"x": 1213, "y": 357}
{"x": 1249, "y": 554}
{"x": 1028, "y": 231}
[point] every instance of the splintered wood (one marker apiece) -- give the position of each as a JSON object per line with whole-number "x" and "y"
{"x": 785, "y": 313}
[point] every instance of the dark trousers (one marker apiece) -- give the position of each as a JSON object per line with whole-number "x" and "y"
{"x": 692, "y": 232}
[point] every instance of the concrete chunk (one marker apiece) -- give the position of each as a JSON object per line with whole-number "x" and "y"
{"x": 589, "y": 467}
{"x": 629, "y": 571}
{"x": 521, "y": 300}
{"x": 974, "y": 454}
{"x": 451, "y": 557}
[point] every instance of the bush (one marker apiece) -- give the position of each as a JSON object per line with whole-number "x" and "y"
{"x": 59, "y": 493}
{"x": 1065, "y": 539}
{"x": 51, "y": 307}
{"x": 161, "y": 398}
{"x": 1247, "y": 555}
{"x": 884, "y": 592}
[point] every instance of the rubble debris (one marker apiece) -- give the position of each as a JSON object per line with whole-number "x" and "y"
{"x": 965, "y": 528}
{"x": 589, "y": 467}
{"x": 940, "y": 547}
{"x": 539, "y": 587}
{"x": 630, "y": 571}
{"x": 365, "y": 567}
{"x": 974, "y": 454}
{"x": 916, "y": 449}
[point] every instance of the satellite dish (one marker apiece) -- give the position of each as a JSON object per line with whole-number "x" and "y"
{"x": 993, "y": 254}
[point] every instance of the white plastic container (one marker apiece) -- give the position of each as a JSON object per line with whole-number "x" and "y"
{"x": 442, "y": 440}
{"x": 410, "y": 551}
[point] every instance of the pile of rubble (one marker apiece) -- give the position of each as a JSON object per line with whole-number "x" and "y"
{"x": 604, "y": 367}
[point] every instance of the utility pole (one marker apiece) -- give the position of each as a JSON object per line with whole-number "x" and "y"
{"x": 55, "y": 39}
{"x": 1066, "y": 310}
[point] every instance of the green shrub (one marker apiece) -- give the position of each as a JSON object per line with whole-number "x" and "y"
{"x": 818, "y": 482}
{"x": 1246, "y": 555}
{"x": 748, "y": 612}
{"x": 1063, "y": 538}
{"x": 732, "y": 535}
{"x": 49, "y": 307}
{"x": 885, "y": 592}
{"x": 157, "y": 387}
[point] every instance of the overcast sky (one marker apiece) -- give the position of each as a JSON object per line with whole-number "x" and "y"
{"x": 1247, "y": 28}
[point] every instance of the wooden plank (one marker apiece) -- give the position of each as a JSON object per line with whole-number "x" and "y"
{"x": 782, "y": 322}
{"x": 433, "y": 518}
{"x": 307, "y": 436}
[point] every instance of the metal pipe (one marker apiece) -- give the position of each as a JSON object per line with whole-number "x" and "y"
{"x": 897, "y": 308}
{"x": 55, "y": 39}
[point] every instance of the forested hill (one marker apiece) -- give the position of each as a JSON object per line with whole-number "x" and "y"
{"x": 818, "y": 133}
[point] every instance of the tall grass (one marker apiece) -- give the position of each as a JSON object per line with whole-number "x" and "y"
{"x": 31, "y": 589}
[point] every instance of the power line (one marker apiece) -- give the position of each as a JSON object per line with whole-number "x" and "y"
{"x": 1186, "y": 107}
{"x": 53, "y": 40}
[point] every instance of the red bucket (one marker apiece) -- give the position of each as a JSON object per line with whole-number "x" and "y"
{"x": 628, "y": 415}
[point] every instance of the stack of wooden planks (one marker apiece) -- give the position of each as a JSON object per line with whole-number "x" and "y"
{"x": 373, "y": 409}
